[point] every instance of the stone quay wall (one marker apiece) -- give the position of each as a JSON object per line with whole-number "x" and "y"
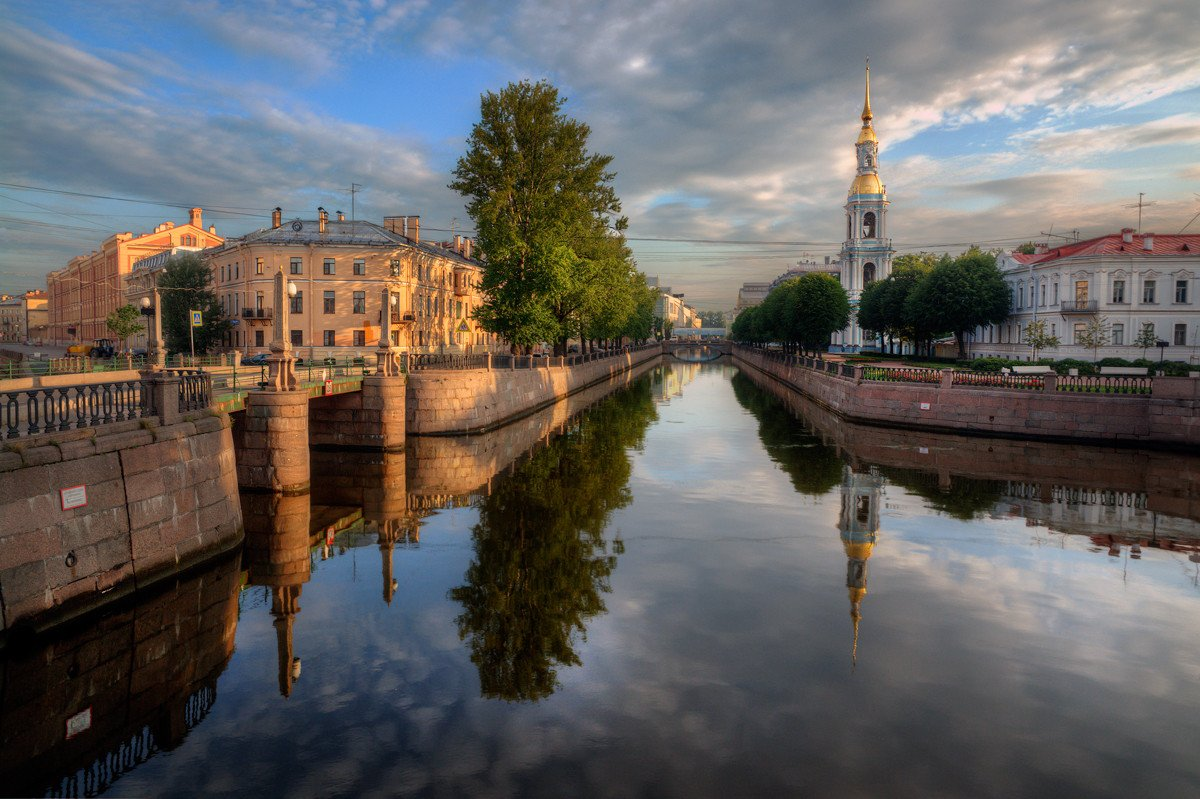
{"x": 159, "y": 499}
{"x": 1170, "y": 418}
{"x": 449, "y": 402}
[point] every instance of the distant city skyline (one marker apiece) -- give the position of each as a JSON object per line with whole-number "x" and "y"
{"x": 998, "y": 123}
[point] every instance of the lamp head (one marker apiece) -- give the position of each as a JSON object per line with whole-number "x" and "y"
{"x": 145, "y": 302}
{"x": 395, "y": 300}
{"x": 291, "y": 289}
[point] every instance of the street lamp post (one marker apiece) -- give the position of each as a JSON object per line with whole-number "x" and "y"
{"x": 388, "y": 355}
{"x": 151, "y": 309}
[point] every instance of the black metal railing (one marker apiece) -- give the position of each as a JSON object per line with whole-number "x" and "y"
{"x": 46, "y": 410}
{"x": 1079, "y": 306}
{"x": 892, "y": 374}
{"x": 1106, "y": 384}
{"x": 420, "y": 361}
{"x": 258, "y": 313}
{"x": 998, "y": 380}
{"x": 195, "y": 391}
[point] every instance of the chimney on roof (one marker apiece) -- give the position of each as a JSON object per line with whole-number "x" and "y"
{"x": 276, "y": 218}
{"x": 212, "y": 229}
{"x": 196, "y": 218}
{"x": 1148, "y": 242}
{"x": 458, "y": 243}
{"x": 341, "y": 216}
{"x": 1127, "y": 235}
{"x": 1040, "y": 249}
{"x": 468, "y": 245}
{"x": 322, "y": 218}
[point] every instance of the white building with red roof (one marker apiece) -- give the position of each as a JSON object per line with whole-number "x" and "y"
{"x": 1128, "y": 281}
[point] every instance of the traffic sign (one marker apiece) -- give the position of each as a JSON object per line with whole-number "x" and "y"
{"x": 463, "y": 327}
{"x": 197, "y": 319}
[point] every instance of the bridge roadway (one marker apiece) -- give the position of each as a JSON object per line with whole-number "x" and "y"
{"x": 698, "y": 351}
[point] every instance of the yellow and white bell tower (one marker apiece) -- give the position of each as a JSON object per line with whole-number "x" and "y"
{"x": 867, "y": 251}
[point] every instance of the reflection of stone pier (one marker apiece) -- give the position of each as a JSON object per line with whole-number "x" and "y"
{"x": 277, "y": 556}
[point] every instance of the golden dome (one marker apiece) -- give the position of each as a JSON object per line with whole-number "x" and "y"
{"x": 866, "y": 184}
{"x": 866, "y": 134}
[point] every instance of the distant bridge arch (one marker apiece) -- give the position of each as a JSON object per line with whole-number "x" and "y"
{"x": 699, "y": 351}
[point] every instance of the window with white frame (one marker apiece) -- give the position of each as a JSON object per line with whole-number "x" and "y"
{"x": 1180, "y": 337}
{"x": 1181, "y": 291}
{"x": 1118, "y": 291}
{"x": 1118, "y": 334}
{"x": 1148, "y": 291}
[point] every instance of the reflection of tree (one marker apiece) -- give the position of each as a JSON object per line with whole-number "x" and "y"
{"x": 960, "y": 497}
{"x": 541, "y": 561}
{"x": 813, "y": 467}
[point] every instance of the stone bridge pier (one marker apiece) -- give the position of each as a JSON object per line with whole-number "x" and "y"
{"x": 271, "y": 440}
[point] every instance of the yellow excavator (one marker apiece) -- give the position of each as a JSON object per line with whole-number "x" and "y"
{"x": 100, "y": 348}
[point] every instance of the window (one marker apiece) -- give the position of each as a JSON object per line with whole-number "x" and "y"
{"x": 258, "y": 301}
{"x": 1118, "y": 295}
{"x": 1180, "y": 337}
{"x": 360, "y": 302}
{"x": 237, "y": 270}
{"x": 258, "y": 266}
{"x": 1118, "y": 334}
{"x": 258, "y": 338}
{"x": 297, "y": 302}
{"x": 360, "y": 338}
{"x": 360, "y": 267}
{"x": 1053, "y": 329}
{"x": 329, "y": 268}
{"x": 1148, "y": 291}
{"x": 1081, "y": 292}
{"x": 297, "y": 338}
{"x": 868, "y": 274}
{"x": 330, "y": 302}
{"x": 1079, "y": 328}
{"x": 1043, "y": 299}
{"x": 1181, "y": 291}
{"x": 869, "y": 225}
{"x": 327, "y": 338}
{"x": 1021, "y": 297}
{"x": 296, "y": 268}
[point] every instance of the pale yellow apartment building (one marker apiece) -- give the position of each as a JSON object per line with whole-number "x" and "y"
{"x": 23, "y": 318}
{"x": 340, "y": 269}
{"x": 90, "y": 287}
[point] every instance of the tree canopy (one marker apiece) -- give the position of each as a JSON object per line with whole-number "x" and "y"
{"x": 124, "y": 322}
{"x": 548, "y": 223}
{"x": 959, "y": 295}
{"x": 799, "y": 313}
{"x": 185, "y": 284}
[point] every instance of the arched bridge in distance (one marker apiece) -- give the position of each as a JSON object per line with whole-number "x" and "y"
{"x": 699, "y": 351}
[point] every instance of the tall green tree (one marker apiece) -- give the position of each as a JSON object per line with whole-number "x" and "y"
{"x": 124, "y": 322}
{"x": 1039, "y": 338}
{"x": 186, "y": 285}
{"x": 545, "y": 212}
{"x": 960, "y": 295}
{"x": 820, "y": 307}
{"x": 712, "y": 318}
{"x": 1094, "y": 336}
{"x": 1146, "y": 338}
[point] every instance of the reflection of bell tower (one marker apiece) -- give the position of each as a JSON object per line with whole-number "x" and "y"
{"x": 862, "y": 493}
{"x": 277, "y": 556}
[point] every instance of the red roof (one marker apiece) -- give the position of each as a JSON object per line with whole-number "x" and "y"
{"x": 1187, "y": 244}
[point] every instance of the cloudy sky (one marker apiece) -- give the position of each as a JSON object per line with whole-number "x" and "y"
{"x": 728, "y": 122}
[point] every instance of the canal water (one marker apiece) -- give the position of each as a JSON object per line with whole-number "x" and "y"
{"x": 694, "y": 586}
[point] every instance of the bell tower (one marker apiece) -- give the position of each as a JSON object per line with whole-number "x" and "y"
{"x": 867, "y": 251}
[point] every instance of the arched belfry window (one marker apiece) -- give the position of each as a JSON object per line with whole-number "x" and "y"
{"x": 869, "y": 225}
{"x": 868, "y": 274}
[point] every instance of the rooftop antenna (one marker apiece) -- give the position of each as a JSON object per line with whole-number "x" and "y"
{"x": 1193, "y": 219}
{"x": 355, "y": 188}
{"x": 1140, "y": 204}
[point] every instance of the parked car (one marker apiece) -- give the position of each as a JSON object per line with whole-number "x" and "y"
{"x": 258, "y": 359}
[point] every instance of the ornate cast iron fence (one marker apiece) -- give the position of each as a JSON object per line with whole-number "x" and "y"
{"x": 45, "y": 410}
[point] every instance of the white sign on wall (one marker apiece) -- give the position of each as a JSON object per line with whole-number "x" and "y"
{"x": 73, "y": 497}
{"x": 80, "y": 722}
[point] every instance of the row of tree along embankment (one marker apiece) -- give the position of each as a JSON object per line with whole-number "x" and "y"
{"x": 1158, "y": 412}
{"x": 464, "y": 401}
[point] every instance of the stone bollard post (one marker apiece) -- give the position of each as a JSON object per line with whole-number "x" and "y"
{"x": 947, "y": 379}
{"x": 162, "y": 392}
{"x": 1050, "y": 382}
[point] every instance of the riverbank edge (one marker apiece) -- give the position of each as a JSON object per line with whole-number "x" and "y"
{"x": 470, "y": 402}
{"x": 1171, "y": 423}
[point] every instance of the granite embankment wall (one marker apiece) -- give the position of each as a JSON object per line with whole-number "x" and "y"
{"x": 1170, "y": 418}
{"x": 451, "y": 402}
{"x": 141, "y": 677}
{"x": 159, "y": 498}
{"x": 1170, "y": 480}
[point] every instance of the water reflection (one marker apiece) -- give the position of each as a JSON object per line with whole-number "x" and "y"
{"x": 1115, "y": 497}
{"x": 541, "y": 557}
{"x": 83, "y": 709}
{"x": 858, "y": 522}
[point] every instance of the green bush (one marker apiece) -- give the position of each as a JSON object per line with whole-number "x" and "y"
{"x": 1115, "y": 362}
{"x": 991, "y": 364}
{"x": 1173, "y": 368}
{"x": 1066, "y": 364}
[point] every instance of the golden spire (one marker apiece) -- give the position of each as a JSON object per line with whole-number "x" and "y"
{"x": 866, "y": 114}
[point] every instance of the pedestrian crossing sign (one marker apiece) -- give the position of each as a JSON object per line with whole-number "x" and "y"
{"x": 197, "y": 319}
{"x": 463, "y": 327}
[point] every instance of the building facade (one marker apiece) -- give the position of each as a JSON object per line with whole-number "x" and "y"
{"x": 23, "y": 319}
{"x": 1128, "y": 282}
{"x": 340, "y": 269}
{"x": 90, "y": 287}
{"x": 866, "y": 254}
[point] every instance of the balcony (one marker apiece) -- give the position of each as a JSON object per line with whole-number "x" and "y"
{"x": 255, "y": 314}
{"x": 1079, "y": 307}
